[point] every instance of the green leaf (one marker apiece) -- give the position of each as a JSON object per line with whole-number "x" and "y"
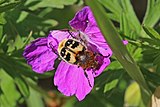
{"x": 50, "y": 22}
{"x": 15, "y": 44}
{"x": 133, "y": 25}
{"x": 1, "y": 32}
{"x": 124, "y": 24}
{"x": 151, "y": 32}
{"x": 19, "y": 22}
{"x": 150, "y": 52}
{"x": 92, "y": 101}
{"x": 151, "y": 77}
{"x": 158, "y": 69}
{"x": 114, "y": 65}
{"x": 157, "y": 60}
{"x": 35, "y": 99}
{"x": 108, "y": 76}
{"x": 50, "y": 3}
{"x": 22, "y": 85}
{"x": 149, "y": 55}
{"x": 110, "y": 85}
{"x": 114, "y": 41}
{"x": 23, "y": 15}
{"x": 2, "y": 22}
{"x": 137, "y": 54}
{"x": 128, "y": 26}
{"x": 10, "y": 93}
{"x": 5, "y": 6}
{"x": 151, "y": 42}
{"x": 70, "y": 102}
{"x": 2, "y": 19}
{"x": 152, "y": 14}
{"x": 122, "y": 11}
{"x": 133, "y": 95}
{"x": 2, "y": 1}
{"x": 114, "y": 6}
{"x": 3, "y": 100}
{"x": 113, "y": 17}
{"x": 12, "y": 71}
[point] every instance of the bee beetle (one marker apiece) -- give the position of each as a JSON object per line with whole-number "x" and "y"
{"x": 74, "y": 52}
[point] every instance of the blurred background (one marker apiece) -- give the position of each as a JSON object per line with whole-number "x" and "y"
{"x": 22, "y": 21}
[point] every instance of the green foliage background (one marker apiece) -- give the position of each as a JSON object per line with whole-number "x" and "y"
{"x": 22, "y": 21}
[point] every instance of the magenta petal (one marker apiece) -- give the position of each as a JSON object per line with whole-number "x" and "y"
{"x": 39, "y": 56}
{"x": 82, "y": 19}
{"x": 83, "y": 86}
{"x": 104, "y": 50}
{"x": 71, "y": 80}
{"x": 96, "y": 36}
{"x": 105, "y": 63}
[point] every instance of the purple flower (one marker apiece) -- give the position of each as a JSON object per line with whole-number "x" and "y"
{"x": 70, "y": 78}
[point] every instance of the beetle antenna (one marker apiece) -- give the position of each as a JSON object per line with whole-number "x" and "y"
{"x": 71, "y": 34}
